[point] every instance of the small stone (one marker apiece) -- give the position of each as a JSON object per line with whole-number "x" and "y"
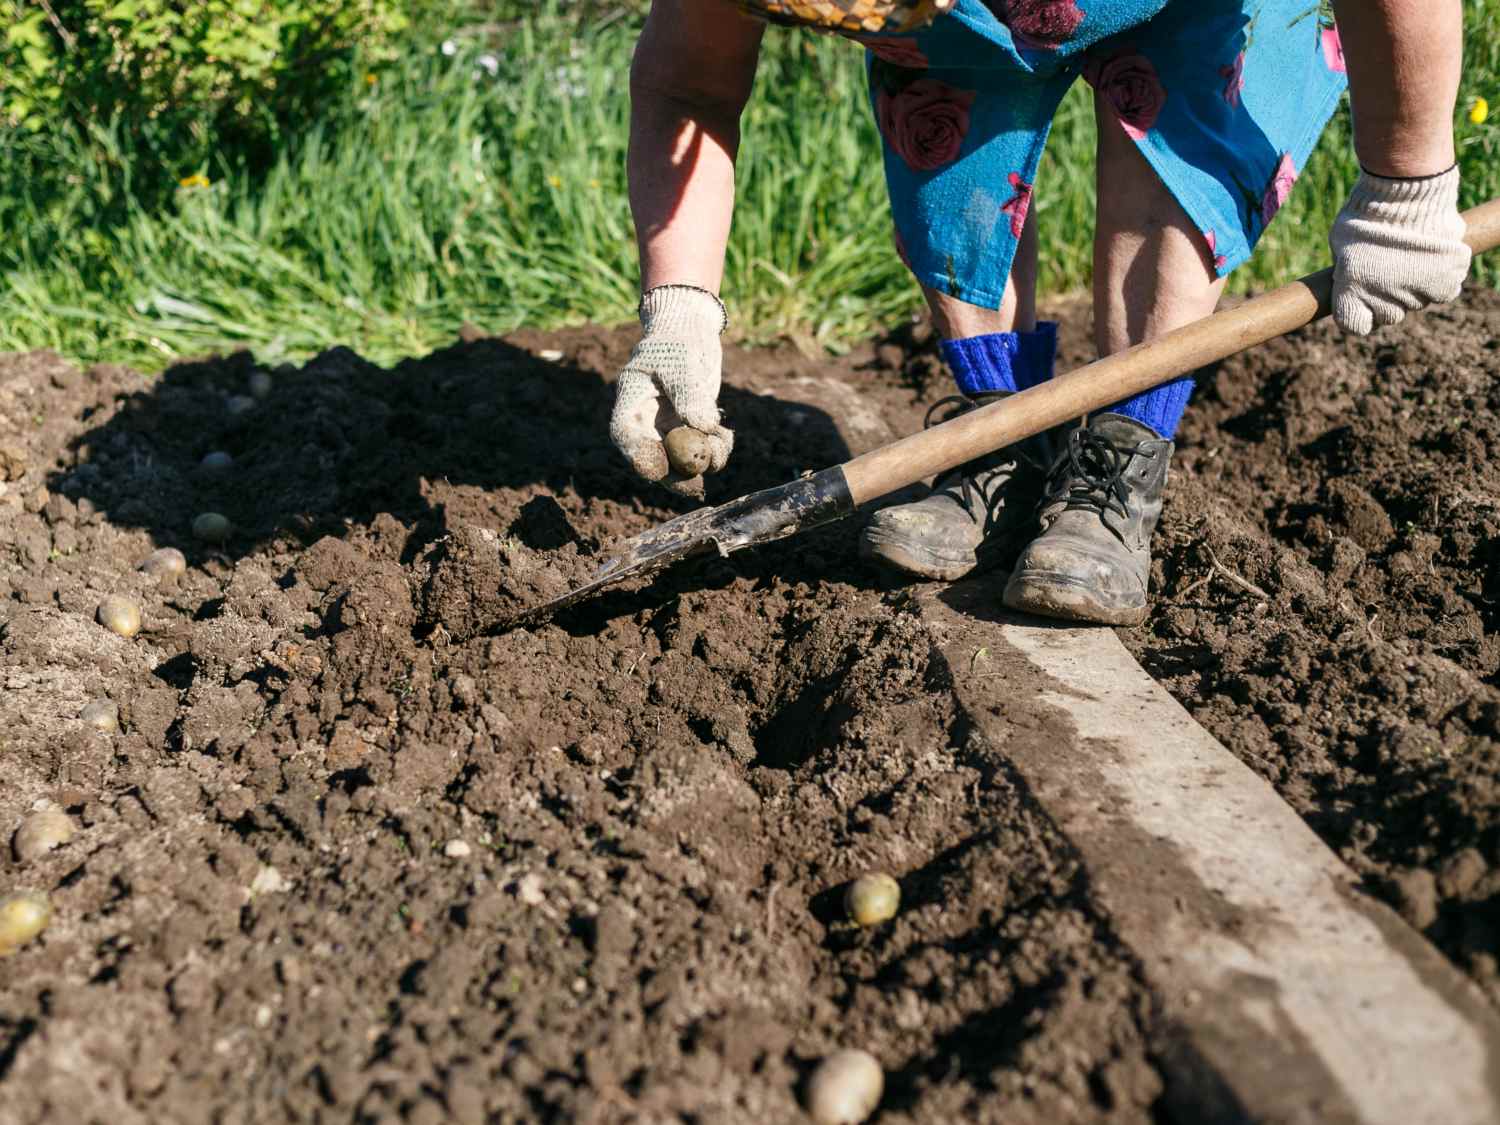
{"x": 910, "y": 1015}
{"x": 261, "y": 384}
{"x": 212, "y": 527}
{"x": 1416, "y": 896}
{"x": 43, "y": 830}
{"x": 845, "y": 1089}
{"x": 216, "y": 462}
{"x": 268, "y": 881}
{"x": 164, "y": 563}
{"x": 1462, "y": 873}
{"x": 102, "y": 715}
{"x": 120, "y": 615}
{"x": 457, "y": 849}
{"x": 550, "y": 355}
{"x": 263, "y": 1016}
{"x": 37, "y": 500}
{"x": 237, "y": 405}
{"x": 529, "y": 889}
{"x": 12, "y": 462}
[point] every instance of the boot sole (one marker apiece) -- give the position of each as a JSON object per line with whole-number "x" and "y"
{"x": 1064, "y": 597}
{"x": 920, "y": 562}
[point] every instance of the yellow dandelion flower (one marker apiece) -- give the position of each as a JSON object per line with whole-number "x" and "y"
{"x": 594, "y": 184}
{"x": 554, "y": 181}
{"x": 196, "y": 180}
{"x": 1479, "y": 111}
{"x": 369, "y": 80}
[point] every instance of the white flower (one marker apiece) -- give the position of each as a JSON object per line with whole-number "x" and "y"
{"x": 490, "y": 63}
{"x": 449, "y": 48}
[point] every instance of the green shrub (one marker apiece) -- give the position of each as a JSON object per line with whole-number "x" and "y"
{"x": 186, "y": 73}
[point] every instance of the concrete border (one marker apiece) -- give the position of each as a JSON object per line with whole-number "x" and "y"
{"x": 1288, "y": 994}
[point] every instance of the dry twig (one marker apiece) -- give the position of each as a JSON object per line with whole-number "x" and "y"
{"x": 1230, "y": 576}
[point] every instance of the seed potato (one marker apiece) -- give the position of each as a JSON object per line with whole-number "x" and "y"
{"x": 22, "y": 917}
{"x": 102, "y": 715}
{"x": 845, "y": 1089}
{"x": 211, "y": 527}
{"x": 687, "y": 451}
{"x": 120, "y": 615}
{"x": 872, "y": 899}
{"x": 43, "y": 830}
{"x": 167, "y": 562}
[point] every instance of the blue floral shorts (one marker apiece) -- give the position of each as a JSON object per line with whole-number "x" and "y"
{"x": 1225, "y": 98}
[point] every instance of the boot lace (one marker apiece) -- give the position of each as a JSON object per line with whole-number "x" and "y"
{"x": 962, "y": 404}
{"x": 1090, "y": 475}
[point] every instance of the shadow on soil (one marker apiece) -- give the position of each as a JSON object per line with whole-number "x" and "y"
{"x": 410, "y": 453}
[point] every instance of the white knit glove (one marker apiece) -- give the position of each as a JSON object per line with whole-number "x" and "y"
{"x": 672, "y": 378}
{"x": 1398, "y": 245}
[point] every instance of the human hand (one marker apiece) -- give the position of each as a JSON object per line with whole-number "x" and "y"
{"x": 1398, "y": 245}
{"x": 672, "y": 379}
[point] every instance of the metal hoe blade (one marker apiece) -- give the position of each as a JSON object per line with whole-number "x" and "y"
{"x": 760, "y": 517}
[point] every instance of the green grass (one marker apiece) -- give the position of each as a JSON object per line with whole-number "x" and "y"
{"x": 442, "y": 194}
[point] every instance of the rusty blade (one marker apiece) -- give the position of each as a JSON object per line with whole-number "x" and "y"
{"x": 761, "y": 517}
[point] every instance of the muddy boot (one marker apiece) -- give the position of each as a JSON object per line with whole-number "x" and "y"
{"x": 970, "y": 517}
{"x": 1092, "y": 560}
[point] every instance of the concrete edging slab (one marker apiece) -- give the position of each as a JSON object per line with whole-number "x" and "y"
{"x": 1288, "y": 994}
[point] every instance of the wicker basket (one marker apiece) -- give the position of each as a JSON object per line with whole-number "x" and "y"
{"x": 848, "y": 15}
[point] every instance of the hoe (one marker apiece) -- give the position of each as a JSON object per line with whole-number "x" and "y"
{"x": 821, "y": 497}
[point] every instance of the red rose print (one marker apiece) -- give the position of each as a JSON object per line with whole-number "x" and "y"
{"x": 925, "y": 122}
{"x": 1333, "y": 50}
{"x": 1040, "y": 25}
{"x": 1213, "y": 249}
{"x": 1279, "y": 188}
{"x": 1018, "y": 204}
{"x": 1130, "y": 85}
{"x": 1234, "y": 79}
{"x": 898, "y": 52}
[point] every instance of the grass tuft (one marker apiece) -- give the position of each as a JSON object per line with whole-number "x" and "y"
{"x": 488, "y": 185}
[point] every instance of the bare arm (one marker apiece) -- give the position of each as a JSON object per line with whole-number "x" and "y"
{"x": 692, "y": 73}
{"x": 1404, "y": 59}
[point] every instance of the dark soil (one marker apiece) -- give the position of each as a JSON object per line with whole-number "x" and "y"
{"x": 1356, "y": 483}
{"x": 352, "y": 857}
{"x": 343, "y": 864}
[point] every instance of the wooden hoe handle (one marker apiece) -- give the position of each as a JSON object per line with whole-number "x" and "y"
{"x": 1106, "y": 381}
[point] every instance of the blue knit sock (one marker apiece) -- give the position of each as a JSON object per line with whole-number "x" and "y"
{"x": 1161, "y": 407}
{"x": 1002, "y": 361}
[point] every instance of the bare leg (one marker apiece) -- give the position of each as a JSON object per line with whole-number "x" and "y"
{"x": 956, "y": 320}
{"x": 944, "y": 534}
{"x": 1152, "y": 268}
{"x": 1152, "y": 273}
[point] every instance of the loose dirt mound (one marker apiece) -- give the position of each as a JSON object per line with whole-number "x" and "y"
{"x": 340, "y": 864}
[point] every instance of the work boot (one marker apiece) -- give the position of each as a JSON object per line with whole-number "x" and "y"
{"x": 972, "y": 513}
{"x": 1092, "y": 560}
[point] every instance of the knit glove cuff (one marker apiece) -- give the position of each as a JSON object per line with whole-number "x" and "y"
{"x": 1398, "y": 245}
{"x": 682, "y": 310}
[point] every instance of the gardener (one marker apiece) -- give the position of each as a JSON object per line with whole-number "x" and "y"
{"x": 1206, "y": 111}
